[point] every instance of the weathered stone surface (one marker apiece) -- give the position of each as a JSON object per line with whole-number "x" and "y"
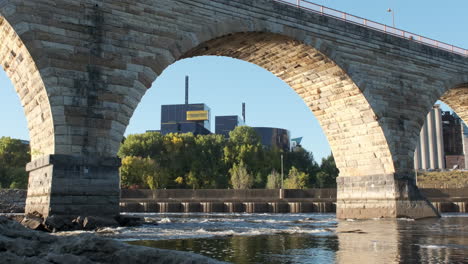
{"x": 34, "y": 223}
{"x": 381, "y": 196}
{"x": 12, "y": 200}
{"x": 81, "y": 68}
{"x": 20, "y": 245}
{"x": 81, "y": 185}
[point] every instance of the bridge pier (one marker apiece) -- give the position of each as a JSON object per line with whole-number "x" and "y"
{"x": 67, "y": 185}
{"x": 381, "y": 196}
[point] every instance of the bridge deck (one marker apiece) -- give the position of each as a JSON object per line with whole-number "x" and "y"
{"x": 312, "y": 7}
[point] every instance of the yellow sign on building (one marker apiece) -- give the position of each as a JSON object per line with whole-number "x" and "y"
{"x": 197, "y": 115}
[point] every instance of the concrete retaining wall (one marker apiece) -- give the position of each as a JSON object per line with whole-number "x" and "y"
{"x": 236, "y": 201}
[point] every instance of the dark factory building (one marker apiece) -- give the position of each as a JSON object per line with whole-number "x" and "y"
{"x": 225, "y": 124}
{"x": 272, "y": 136}
{"x": 185, "y": 118}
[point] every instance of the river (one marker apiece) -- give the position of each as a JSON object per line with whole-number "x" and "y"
{"x": 304, "y": 238}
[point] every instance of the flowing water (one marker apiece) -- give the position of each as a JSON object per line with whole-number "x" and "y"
{"x": 303, "y": 238}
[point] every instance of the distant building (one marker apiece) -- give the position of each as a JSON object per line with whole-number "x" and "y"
{"x": 296, "y": 143}
{"x": 443, "y": 142}
{"x": 465, "y": 144}
{"x": 430, "y": 154}
{"x": 274, "y": 137}
{"x": 185, "y": 118}
{"x": 225, "y": 124}
{"x": 453, "y": 140}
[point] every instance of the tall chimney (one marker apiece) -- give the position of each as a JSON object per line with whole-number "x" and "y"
{"x": 243, "y": 111}
{"x": 186, "y": 89}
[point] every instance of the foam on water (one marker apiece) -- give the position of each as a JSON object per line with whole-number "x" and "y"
{"x": 183, "y": 226}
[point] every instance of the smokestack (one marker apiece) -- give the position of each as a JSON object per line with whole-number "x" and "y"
{"x": 186, "y": 89}
{"x": 243, "y": 111}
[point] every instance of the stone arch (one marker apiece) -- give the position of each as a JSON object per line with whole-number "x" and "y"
{"x": 21, "y": 68}
{"x": 355, "y": 136}
{"x": 457, "y": 99}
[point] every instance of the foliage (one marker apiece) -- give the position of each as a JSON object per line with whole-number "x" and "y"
{"x": 304, "y": 161}
{"x": 240, "y": 178}
{"x": 326, "y": 178}
{"x": 14, "y": 155}
{"x": 142, "y": 172}
{"x": 210, "y": 161}
{"x": 296, "y": 179}
{"x": 148, "y": 144}
{"x": 273, "y": 180}
{"x": 244, "y": 146}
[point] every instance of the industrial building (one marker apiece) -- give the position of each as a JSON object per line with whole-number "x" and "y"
{"x": 442, "y": 142}
{"x": 225, "y": 124}
{"x": 185, "y": 118}
{"x": 195, "y": 118}
{"x": 274, "y": 137}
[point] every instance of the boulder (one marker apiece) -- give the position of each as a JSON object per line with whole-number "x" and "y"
{"x": 56, "y": 223}
{"x": 127, "y": 220}
{"x": 31, "y": 222}
{"x": 94, "y": 222}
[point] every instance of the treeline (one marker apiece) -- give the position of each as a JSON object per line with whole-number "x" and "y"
{"x": 14, "y": 155}
{"x": 152, "y": 160}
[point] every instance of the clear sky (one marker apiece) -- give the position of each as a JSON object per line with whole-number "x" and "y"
{"x": 224, "y": 83}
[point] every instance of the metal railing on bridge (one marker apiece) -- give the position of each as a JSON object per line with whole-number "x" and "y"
{"x": 312, "y": 7}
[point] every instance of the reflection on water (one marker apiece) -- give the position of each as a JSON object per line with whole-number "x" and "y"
{"x": 281, "y": 248}
{"x": 308, "y": 238}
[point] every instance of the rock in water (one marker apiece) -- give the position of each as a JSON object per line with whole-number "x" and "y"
{"x": 21, "y": 245}
{"x": 94, "y": 222}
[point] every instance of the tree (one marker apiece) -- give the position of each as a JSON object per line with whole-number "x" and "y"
{"x": 304, "y": 161}
{"x": 207, "y": 165}
{"x": 14, "y": 155}
{"x": 296, "y": 179}
{"x": 240, "y": 178}
{"x": 149, "y": 144}
{"x": 132, "y": 171}
{"x": 273, "y": 180}
{"x": 142, "y": 173}
{"x": 326, "y": 178}
{"x": 244, "y": 146}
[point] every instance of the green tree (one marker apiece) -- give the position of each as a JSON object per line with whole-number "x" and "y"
{"x": 273, "y": 180}
{"x": 296, "y": 179}
{"x": 149, "y": 144}
{"x": 326, "y": 178}
{"x": 142, "y": 172}
{"x": 244, "y": 146}
{"x": 304, "y": 161}
{"x": 132, "y": 172}
{"x": 240, "y": 178}
{"x": 207, "y": 162}
{"x": 14, "y": 155}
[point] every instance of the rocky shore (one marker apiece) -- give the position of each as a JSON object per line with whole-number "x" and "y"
{"x": 21, "y": 245}
{"x": 12, "y": 200}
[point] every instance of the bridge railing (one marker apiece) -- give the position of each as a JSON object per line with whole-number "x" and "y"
{"x": 312, "y": 7}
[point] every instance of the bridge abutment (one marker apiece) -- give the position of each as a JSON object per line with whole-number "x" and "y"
{"x": 69, "y": 185}
{"x": 381, "y": 196}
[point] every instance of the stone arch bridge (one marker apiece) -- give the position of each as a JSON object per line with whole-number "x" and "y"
{"x": 80, "y": 69}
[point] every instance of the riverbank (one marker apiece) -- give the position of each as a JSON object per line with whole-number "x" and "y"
{"x": 21, "y": 245}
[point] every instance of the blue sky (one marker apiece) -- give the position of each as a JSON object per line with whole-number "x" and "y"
{"x": 224, "y": 83}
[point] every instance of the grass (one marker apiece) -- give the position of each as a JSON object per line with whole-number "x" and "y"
{"x": 443, "y": 179}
